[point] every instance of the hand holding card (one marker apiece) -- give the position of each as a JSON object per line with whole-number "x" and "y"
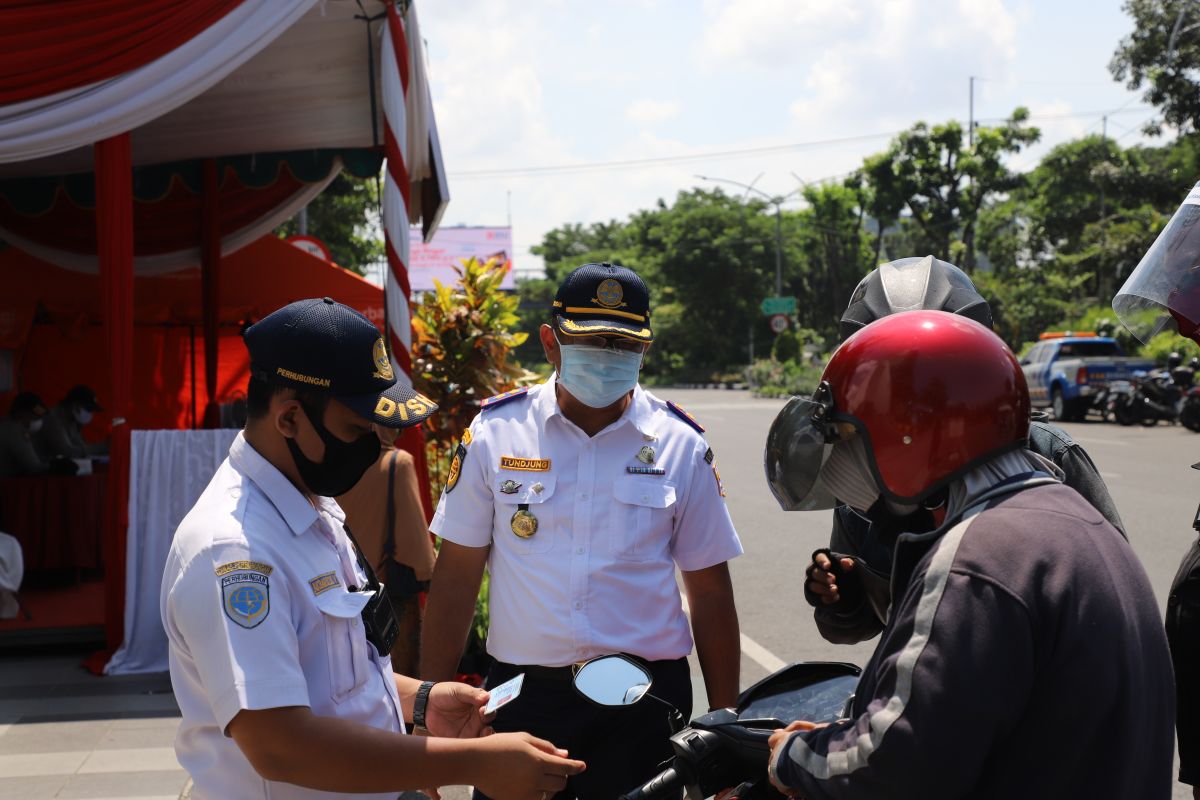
{"x": 504, "y": 694}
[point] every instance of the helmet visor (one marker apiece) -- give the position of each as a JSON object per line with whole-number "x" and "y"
{"x": 798, "y": 445}
{"x": 1163, "y": 293}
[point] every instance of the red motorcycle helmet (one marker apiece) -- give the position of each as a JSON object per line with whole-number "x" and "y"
{"x": 934, "y": 394}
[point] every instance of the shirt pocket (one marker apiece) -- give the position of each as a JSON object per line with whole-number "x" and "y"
{"x": 534, "y": 492}
{"x": 345, "y": 642}
{"x": 642, "y": 517}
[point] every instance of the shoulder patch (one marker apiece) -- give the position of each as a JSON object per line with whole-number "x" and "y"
{"x": 456, "y": 463}
{"x": 504, "y": 397}
{"x": 685, "y": 416}
{"x": 246, "y": 596}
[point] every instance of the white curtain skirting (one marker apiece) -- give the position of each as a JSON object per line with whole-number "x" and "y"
{"x": 78, "y": 117}
{"x": 167, "y": 473}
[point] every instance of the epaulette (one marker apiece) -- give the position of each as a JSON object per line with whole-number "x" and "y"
{"x": 501, "y": 399}
{"x": 685, "y": 416}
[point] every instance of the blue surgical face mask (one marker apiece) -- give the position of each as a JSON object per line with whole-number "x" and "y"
{"x": 598, "y": 376}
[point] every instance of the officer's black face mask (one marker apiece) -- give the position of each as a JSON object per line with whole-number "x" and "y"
{"x": 344, "y": 462}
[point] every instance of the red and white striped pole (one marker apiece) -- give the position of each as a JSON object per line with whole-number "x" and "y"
{"x": 394, "y": 88}
{"x": 393, "y": 65}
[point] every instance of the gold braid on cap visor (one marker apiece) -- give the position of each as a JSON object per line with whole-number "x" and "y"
{"x": 570, "y": 327}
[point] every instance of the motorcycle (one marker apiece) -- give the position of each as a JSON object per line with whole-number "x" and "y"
{"x": 727, "y": 747}
{"x": 1150, "y": 397}
{"x": 1189, "y": 411}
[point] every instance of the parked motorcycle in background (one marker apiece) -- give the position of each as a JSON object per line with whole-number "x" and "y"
{"x": 728, "y": 747}
{"x": 1164, "y": 394}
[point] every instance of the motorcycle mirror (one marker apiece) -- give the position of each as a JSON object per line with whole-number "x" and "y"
{"x": 612, "y": 681}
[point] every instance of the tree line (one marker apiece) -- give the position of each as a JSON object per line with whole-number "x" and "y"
{"x": 1046, "y": 247}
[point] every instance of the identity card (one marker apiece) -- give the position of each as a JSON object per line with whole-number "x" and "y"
{"x": 504, "y": 694}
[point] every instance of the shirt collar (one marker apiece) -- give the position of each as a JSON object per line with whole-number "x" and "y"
{"x": 640, "y": 411}
{"x": 287, "y": 499}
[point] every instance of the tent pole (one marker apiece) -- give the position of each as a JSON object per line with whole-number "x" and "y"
{"x": 210, "y": 284}
{"x": 114, "y": 238}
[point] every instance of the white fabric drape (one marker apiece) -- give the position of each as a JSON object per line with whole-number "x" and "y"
{"x": 12, "y": 572}
{"x": 77, "y": 117}
{"x": 180, "y": 259}
{"x": 167, "y": 473}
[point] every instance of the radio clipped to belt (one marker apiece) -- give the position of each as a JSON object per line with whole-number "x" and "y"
{"x": 379, "y": 620}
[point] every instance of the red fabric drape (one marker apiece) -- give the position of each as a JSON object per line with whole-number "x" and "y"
{"x": 210, "y": 277}
{"x": 50, "y": 47}
{"x": 114, "y": 232}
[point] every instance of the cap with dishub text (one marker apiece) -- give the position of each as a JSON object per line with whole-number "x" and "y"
{"x": 320, "y": 345}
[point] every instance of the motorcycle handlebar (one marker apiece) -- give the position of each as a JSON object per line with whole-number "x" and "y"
{"x": 661, "y": 785}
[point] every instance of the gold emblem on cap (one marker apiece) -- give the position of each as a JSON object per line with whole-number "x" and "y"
{"x": 609, "y": 293}
{"x": 524, "y": 524}
{"x": 383, "y": 364}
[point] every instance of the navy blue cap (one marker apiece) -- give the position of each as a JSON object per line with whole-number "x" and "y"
{"x": 603, "y": 299}
{"x": 320, "y": 345}
{"x": 84, "y": 397}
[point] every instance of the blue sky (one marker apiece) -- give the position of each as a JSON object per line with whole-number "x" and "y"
{"x": 546, "y": 83}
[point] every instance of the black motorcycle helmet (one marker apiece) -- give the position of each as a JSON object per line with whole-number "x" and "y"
{"x": 909, "y": 284}
{"x": 1174, "y": 360}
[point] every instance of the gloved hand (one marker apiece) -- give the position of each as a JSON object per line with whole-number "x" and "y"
{"x": 832, "y": 578}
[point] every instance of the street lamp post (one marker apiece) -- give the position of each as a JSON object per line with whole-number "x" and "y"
{"x": 777, "y": 201}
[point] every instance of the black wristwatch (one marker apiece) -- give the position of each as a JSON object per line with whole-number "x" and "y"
{"x": 420, "y": 703}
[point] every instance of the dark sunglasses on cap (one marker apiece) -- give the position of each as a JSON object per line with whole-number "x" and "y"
{"x": 603, "y": 342}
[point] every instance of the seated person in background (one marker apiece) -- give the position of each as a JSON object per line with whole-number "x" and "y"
{"x": 62, "y": 435}
{"x": 26, "y": 416}
{"x": 385, "y": 513}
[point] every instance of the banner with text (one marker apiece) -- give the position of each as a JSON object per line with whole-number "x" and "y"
{"x": 450, "y": 246}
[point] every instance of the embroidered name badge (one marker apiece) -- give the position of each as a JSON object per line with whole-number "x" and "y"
{"x": 247, "y": 597}
{"x": 251, "y": 566}
{"x": 525, "y": 464}
{"x": 323, "y": 583}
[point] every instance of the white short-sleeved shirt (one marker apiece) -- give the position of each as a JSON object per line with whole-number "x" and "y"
{"x": 598, "y": 576}
{"x": 257, "y": 607}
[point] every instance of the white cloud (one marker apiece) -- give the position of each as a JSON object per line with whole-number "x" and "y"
{"x": 652, "y": 112}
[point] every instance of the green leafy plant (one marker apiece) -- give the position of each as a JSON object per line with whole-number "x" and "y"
{"x": 462, "y": 342}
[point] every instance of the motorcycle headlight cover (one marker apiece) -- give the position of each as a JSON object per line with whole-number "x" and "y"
{"x": 798, "y": 445}
{"x": 1163, "y": 292}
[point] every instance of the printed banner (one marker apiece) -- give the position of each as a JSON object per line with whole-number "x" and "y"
{"x": 450, "y": 246}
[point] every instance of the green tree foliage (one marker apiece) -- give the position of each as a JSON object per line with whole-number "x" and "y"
{"x": 463, "y": 335}
{"x": 341, "y": 217}
{"x": 786, "y": 347}
{"x": 946, "y": 182}
{"x": 836, "y": 252}
{"x": 1161, "y": 56}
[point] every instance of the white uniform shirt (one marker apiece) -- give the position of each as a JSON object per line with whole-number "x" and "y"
{"x": 598, "y": 576}
{"x": 256, "y": 606}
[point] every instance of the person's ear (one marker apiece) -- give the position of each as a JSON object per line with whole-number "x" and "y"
{"x": 549, "y": 344}
{"x": 284, "y": 411}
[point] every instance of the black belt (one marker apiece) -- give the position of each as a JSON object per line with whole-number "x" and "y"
{"x": 567, "y": 673}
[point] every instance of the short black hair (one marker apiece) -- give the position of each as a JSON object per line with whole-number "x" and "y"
{"x": 259, "y": 393}
{"x": 25, "y": 402}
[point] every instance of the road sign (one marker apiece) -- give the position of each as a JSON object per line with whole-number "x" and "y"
{"x": 778, "y": 305}
{"x": 779, "y": 323}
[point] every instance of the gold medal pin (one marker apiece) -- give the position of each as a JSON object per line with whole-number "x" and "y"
{"x": 524, "y": 523}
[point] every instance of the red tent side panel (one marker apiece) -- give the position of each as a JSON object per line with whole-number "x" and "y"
{"x": 51, "y": 319}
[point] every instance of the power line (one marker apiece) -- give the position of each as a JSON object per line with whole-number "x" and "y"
{"x": 638, "y": 162}
{"x": 633, "y": 163}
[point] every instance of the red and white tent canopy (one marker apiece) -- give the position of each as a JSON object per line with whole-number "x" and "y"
{"x": 174, "y": 113}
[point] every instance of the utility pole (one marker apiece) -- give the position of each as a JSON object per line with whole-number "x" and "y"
{"x": 971, "y": 116}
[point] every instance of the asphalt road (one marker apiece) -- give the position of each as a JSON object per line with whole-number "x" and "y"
{"x": 1147, "y": 471}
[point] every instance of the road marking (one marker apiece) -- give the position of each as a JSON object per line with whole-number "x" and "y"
{"x": 761, "y": 655}
{"x": 753, "y": 650}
